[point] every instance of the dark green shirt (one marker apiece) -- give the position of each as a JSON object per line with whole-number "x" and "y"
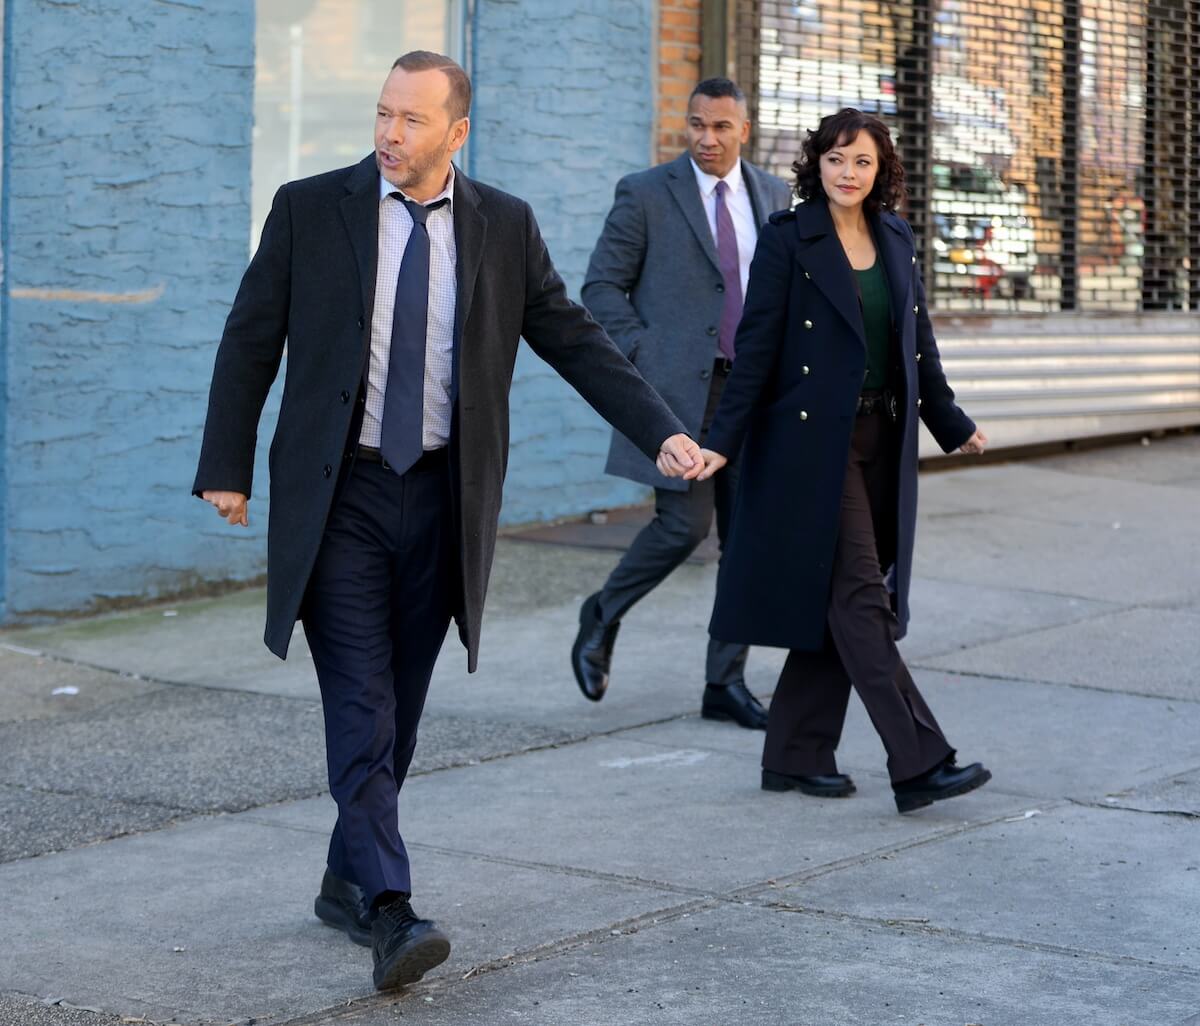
{"x": 877, "y": 320}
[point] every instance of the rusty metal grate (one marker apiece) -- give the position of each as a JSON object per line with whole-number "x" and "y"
{"x": 1051, "y": 145}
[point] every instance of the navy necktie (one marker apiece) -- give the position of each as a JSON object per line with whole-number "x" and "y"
{"x": 402, "y": 431}
{"x": 727, "y": 257}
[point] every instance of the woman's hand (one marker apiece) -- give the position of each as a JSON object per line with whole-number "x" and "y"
{"x": 974, "y": 445}
{"x": 713, "y": 461}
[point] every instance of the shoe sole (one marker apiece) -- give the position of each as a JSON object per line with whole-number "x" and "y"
{"x": 589, "y": 609}
{"x": 724, "y": 717}
{"x": 408, "y": 966}
{"x": 335, "y": 915}
{"x": 909, "y": 803}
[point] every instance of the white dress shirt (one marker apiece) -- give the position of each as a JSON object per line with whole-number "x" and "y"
{"x": 740, "y": 209}
{"x": 395, "y": 226}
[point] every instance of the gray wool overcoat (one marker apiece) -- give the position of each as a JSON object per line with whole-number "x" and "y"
{"x": 311, "y": 283}
{"x": 654, "y": 283}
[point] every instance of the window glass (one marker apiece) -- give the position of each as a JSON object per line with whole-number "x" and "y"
{"x": 318, "y": 68}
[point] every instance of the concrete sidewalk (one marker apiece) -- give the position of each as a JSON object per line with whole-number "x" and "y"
{"x": 163, "y": 828}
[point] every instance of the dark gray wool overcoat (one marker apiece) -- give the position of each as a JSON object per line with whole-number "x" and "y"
{"x": 311, "y": 283}
{"x": 789, "y": 408}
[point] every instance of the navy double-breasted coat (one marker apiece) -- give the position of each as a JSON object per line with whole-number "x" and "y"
{"x": 789, "y": 408}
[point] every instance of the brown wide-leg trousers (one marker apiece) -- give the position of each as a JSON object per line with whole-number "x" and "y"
{"x": 809, "y": 706}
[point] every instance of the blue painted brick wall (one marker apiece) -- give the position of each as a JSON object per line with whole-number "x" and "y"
{"x": 126, "y": 151}
{"x": 564, "y": 106}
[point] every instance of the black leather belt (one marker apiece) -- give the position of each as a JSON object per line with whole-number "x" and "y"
{"x": 431, "y": 459}
{"x": 722, "y": 366}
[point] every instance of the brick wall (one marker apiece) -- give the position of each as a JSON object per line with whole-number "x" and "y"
{"x": 678, "y": 72}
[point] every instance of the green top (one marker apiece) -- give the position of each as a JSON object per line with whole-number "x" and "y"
{"x": 877, "y": 320}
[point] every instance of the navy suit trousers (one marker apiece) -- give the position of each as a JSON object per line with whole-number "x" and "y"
{"x": 375, "y": 614}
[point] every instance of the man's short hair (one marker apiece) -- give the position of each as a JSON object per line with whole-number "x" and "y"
{"x": 717, "y": 88}
{"x": 459, "y": 103}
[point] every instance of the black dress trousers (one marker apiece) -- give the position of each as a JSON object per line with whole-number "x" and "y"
{"x": 809, "y": 706}
{"x": 375, "y": 614}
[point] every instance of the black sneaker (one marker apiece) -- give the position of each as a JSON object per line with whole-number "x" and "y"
{"x": 404, "y": 947}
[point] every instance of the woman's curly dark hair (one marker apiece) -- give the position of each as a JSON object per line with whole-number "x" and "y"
{"x": 837, "y": 130}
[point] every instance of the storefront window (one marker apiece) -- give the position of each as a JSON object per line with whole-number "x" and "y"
{"x": 318, "y": 68}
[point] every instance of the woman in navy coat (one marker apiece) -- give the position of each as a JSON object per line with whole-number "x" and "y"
{"x": 835, "y": 362}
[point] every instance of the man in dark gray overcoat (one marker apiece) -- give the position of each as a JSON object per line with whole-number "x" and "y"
{"x": 401, "y": 288}
{"x": 666, "y": 280}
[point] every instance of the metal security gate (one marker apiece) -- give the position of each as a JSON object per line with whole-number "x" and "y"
{"x": 1052, "y": 149}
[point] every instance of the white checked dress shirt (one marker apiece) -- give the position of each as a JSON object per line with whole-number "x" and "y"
{"x": 395, "y": 226}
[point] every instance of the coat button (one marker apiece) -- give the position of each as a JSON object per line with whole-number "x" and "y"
{"x": 344, "y": 396}
{"x": 361, "y": 323}
{"x": 918, "y": 404}
{"x": 808, "y": 324}
{"x": 327, "y": 470}
{"x": 804, "y": 370}
{"x": 807, "y": 275}
{"x": 720, "y": 286}
{"x": 804, "y": 414}
{"x": 712, "y": 330}
{"x": 705, "y": 375}
{"x": 918, "y": 357}
{"x": 914, "y": 260}
{"x": 916, "y": 309}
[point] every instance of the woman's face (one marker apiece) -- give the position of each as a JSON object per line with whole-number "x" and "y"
{"x": 848, "y": 171}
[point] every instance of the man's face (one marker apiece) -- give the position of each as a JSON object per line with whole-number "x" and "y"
{"x": 415, "y": 136}
{"x": 716, "y": 129}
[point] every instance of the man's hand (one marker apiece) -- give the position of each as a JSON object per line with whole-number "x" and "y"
{"x": 713, "y": 461}
{"x": 679, "y": 456}
{"x": 974, "y": 445}
{"x": 231, "y": 505}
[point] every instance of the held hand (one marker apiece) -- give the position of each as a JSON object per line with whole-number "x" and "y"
{"x": 713, "y": 461}
{"x": 975, "y": 445}
{"x": 231, "y": 505}
{"x": 679, "y": 456}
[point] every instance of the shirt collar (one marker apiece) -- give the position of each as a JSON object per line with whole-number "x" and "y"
{"x": 708, "y": 183}
{"x": 386, "y": 188}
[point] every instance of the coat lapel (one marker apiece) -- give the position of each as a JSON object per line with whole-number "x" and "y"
{"x": 681, "y": 180}
{"x": 360, "y": 211}
{"x": 470, "y": 230}
{"x": 759, "y": 194}
{"x": 824, "y": 261}
{"x": 897, "y": 254}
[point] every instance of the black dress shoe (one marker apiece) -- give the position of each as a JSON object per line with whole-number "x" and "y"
{"x": 830, "y": 785}
{"x": 404, "y": 947}
{"x": 733, "y": 702}
{"x": 945, "y": 780}
{"x": 343, "y": 905}
{"x": 591, "y": 655}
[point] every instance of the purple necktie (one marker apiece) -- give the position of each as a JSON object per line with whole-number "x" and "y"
{"x": 727, "y": 257}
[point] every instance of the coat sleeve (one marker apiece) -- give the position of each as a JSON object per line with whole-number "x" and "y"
{"x": 564, "y": 335}
{"x": 614, "y": 269}
{"x": 946, "y": 421}
{"x": 760, "y": 337}
{"x": 248, "y": 359}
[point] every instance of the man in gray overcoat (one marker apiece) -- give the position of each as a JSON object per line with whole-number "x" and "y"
{"x": 666, "y": 281}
